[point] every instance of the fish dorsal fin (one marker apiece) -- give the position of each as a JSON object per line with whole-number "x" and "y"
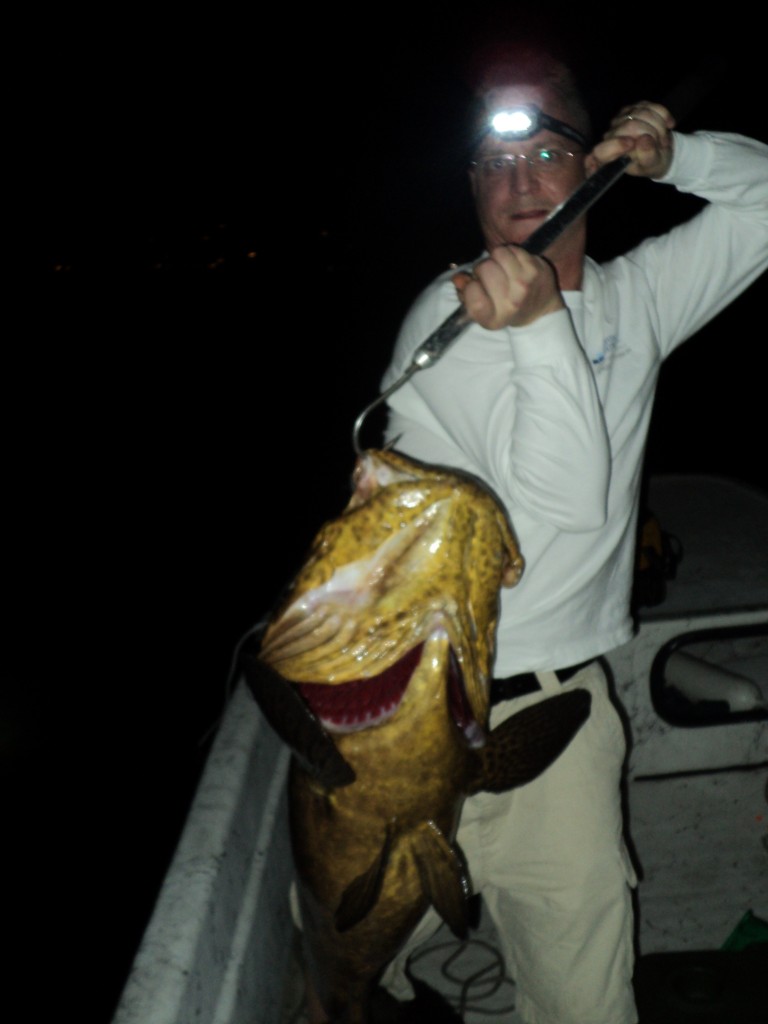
{"x": 360, "y": 896}
{"x": 527, "y": 743}
{"x": 443, "y": 874}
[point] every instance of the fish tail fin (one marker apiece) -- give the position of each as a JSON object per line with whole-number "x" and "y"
{"x": 527, "y": 743}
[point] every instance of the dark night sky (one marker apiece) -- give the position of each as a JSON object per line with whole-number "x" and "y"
{"x": 219, "y": 284}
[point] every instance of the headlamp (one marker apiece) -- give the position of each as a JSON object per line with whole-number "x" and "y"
{"x": 523, "y": 122}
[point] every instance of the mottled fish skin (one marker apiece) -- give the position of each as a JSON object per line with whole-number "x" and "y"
{"x": 388, "y": 633}
{"x": 417, "y": 549}
{"x": 361, "y": 852}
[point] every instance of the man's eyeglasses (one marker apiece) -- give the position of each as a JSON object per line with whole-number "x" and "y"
{"x": 546, "y": 160}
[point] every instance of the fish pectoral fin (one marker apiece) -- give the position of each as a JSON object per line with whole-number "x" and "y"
{"x": 443, "y": 874}
{"x": 361, "y": 895}
{"x": 295, "y": 724}
{"x": 527, "y": 743}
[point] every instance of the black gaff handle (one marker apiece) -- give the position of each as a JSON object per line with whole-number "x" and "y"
{"x": 578, "y": 203}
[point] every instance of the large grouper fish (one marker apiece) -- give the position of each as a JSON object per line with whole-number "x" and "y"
{"x": 375, "y": 668}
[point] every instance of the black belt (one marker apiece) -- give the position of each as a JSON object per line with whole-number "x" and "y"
{"x": 526, "y": 682}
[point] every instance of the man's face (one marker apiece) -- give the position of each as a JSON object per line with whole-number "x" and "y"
{"x": 513, "y": 198}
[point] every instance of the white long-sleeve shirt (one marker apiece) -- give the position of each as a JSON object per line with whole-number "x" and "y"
{"x": 554, "y": 416}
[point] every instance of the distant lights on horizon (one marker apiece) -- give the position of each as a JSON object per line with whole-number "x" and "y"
{"x": 181, "y": 254}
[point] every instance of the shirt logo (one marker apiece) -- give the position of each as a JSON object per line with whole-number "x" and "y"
{"x": 609, "y": 347}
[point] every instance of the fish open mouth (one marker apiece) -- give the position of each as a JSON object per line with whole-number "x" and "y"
{"x": 362, "y": 703}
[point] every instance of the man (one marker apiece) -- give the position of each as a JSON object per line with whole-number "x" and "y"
{"x": 547, "y": 396}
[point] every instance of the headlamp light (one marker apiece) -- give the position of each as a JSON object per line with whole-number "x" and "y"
{"x": 523, "y": 122}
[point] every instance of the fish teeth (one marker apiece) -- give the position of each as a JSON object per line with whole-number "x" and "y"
{"x": 354, "y": 723}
